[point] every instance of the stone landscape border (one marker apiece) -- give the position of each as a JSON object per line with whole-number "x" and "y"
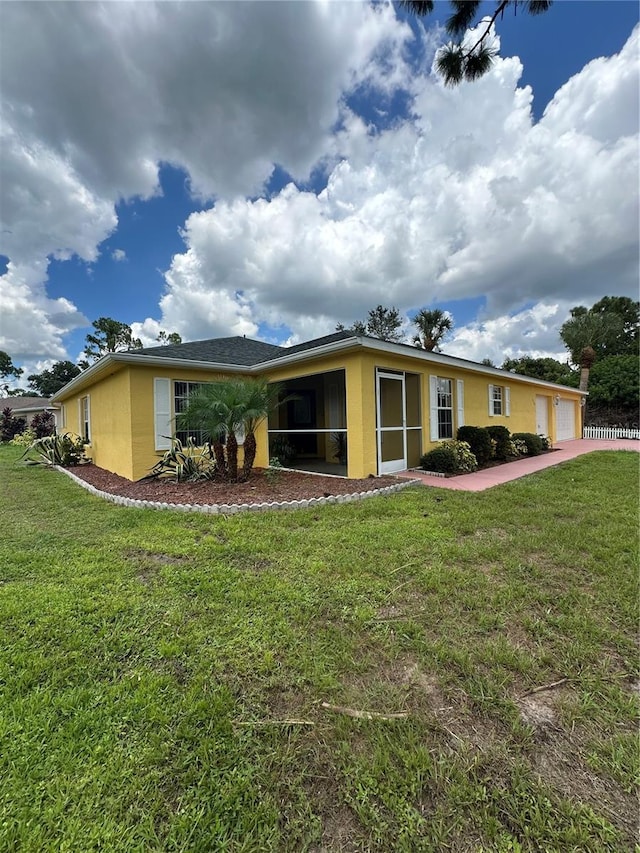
{"x": 233, "y": 509}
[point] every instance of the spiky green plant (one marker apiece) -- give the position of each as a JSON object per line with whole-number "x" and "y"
{"x": 185, "y": 463}
{"x": 65, "y": 450}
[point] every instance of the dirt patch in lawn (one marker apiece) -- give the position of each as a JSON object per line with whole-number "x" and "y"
{"x": 287, "y": 486}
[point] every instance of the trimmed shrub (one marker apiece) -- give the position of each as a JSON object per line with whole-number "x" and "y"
{"x": 478, "y": 440}
{"x": 547, "y": 444}
{"x": 451, "y": 457}
{"x": 534, "y": 443}
{"x": 502, "y": 438}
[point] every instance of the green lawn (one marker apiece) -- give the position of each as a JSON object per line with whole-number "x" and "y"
{"x": 162, "y": 674}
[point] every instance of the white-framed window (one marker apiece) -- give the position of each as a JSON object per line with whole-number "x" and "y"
{"x": 181, "y": 392}
{"x": 496, "y": 400}
{"x": 443, "y": 396}
{"x": 85, "y": 418}
{"x": 445, "y": 407}
{"x": 499, "y": 400}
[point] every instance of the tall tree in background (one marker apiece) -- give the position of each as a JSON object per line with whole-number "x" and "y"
{"x": 49, "y": 382}
{"x": 7, "y": 367}
{"x": 166, "y": 338}
{"x": 432, "y": 326}
{"x": 381, "y": 322}
{"x": 110, "y": 336}
{"x": 610, "y": 327}
{"x": 468, "y": 60}
{"x": 548, "y": 369}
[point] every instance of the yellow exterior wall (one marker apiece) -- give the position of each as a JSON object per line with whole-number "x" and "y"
{"x": 122, "y": 407}
{"x": 110, "y": 422}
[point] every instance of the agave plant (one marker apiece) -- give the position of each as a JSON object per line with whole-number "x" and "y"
{"x": 65, "y": 450}
{"x": 185, "y": 463}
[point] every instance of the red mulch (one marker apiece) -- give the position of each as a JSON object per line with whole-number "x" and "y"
{"x": 288, "y": 486}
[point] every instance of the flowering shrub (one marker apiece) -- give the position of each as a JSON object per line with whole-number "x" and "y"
{"x": 24, "y": 439}
{"x": 546, "y": 441}
{"x": 534, "y": 442}
{"x": 450, "y": 457}
{"x": 518, "y": 447}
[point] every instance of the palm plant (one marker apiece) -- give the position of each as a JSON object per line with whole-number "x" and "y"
{"x": 225, "y": 408}
{"x": 432, "y": 327}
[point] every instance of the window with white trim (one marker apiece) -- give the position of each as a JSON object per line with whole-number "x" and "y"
{"x": 85, "y": 418}
{"x": 445, "y": 408}
{"x": 499, "y": 400}
{"x": 181, "y": 392}
{"x": 496, "y": 400}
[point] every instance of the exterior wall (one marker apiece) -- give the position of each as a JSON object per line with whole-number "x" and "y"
{"x": 123, "y": 424}
{"x": 144, "y": 453}
{"x": 361, "y": 402}
{"x": 110, "y": 421}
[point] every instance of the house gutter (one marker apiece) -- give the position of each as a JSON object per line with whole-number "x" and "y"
{"x": 404, "y": 350}
{"x": 113, "y": 359}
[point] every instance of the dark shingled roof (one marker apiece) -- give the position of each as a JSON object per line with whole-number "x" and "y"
{"x": 316, "y": 342}
{"x": 236, "y": 350}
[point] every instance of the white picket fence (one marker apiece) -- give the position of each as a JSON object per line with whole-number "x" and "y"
{"x": 610, "y": 432}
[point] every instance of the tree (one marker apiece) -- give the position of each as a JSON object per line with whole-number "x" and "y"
{"x": 432, "y": 328}
{"x": 610, "y": 327}
{"x": 7, "y": 367}
{"x": 165, "y": 338}
{"x": 49, "y": 382}
{"x": 10, "y": 426}
{"x": 614, "y": 391}
{"x": 462, "y": 59}
{"x": 624, "y": 334}
{"x": 381, "y": 322}
{"x": 219, "y": 410}
{"x": 110, "y": 336}
{"x": 547, "y": 369}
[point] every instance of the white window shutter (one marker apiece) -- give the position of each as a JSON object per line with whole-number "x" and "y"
{"x": 490, "y": 401}
{"x": 433, "y": 407}
{"x": 89, "y": 416}
{"x": 162, "y": 413}
{"x": 460, "y": 401}
{"x": 507, "y": 401}
{"x": 80, "y": 424}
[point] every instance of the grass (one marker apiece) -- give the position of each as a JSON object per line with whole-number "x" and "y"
{"x": 151, "y": 664}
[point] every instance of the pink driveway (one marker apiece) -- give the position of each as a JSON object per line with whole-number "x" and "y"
{"x": 482, "y": 480}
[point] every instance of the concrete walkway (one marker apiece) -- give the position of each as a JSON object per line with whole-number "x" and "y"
{"x": 482, "y": 480}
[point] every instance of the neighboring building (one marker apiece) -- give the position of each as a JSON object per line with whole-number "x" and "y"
{"x": 384, "y": 404}
{"x": 27, "y": 407}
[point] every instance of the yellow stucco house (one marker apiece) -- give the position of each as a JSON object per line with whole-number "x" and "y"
{"x": 384, "y": 404}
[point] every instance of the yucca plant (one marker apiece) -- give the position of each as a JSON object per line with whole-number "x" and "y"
{"x": 65, "y": 450}
{"x": 185, "y": 463}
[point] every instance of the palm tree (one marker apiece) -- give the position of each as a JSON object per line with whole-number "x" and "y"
{"x": 224, "y": 408}
{"x": 432, "y": 327}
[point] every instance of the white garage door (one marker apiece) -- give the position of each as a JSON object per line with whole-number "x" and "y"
{"x": 566, "y": 420}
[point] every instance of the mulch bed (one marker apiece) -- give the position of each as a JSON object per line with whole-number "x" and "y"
{"x": 287, "y": 486}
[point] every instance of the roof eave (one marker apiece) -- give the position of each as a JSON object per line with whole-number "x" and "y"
{"x": 93, "y": 373}
{"x": 402, "y": 349}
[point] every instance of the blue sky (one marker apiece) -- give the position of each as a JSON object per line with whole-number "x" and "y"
{"x": 282, "y": 182}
